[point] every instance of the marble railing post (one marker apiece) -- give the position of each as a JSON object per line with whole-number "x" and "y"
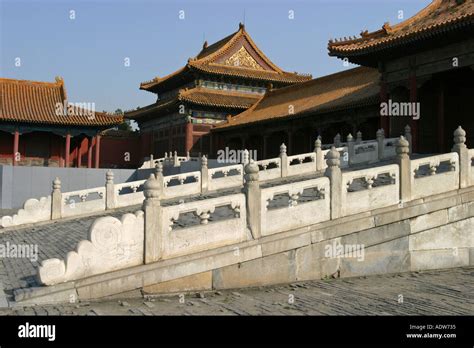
{"x": 159, "y": 175}
{"x": 204, "y": 175}
{"x": 337, "y": 140}
{"x": 56, "y": 200}
{"x": 350, "y": 148}
{"x": 110, "y": 195}
{"x": 253, "y": 198}
{"x": 404, "y": 163}
{"x": 464, "y": 161}
{"x": 408, "y": 137}
{"x": 380, "y": 138}
{"x": 151, "y": 160}
{"x": 333, "y": 172}
{"x": 283, "y": 161}
{"x": 358, "y": 137}
{"x": 152, "y": 209}
{"x": 319, "y": 154}
{"x": 175, "y": 159}
{"x": 245, "y": 157}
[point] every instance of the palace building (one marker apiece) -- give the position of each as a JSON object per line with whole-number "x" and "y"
{"x": 426, "y": 59}
{"x": 344, "y": 102}
{"x": 224, "y": 79}
{"x": 39, "y": 127}
{"x": 231, "y": 95}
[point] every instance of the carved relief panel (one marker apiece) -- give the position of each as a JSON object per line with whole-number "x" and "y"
{"x": 243, "y": 58}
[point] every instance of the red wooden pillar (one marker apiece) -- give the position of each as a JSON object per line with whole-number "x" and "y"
{"x": 384, "y": 120}
{"x": 97, "y": 150}
{"x": 79, "y": 154}
{"x": 89, "y": 152}
{"x": 413, "y": 123}
{"x": 441, "y": 139}
{"x": 68, "y": 148}
{"x": 16, "y": 142}
{"x": 189, "y": 136}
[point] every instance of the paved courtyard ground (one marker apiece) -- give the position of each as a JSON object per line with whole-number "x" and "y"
{"x": 439, "y": 292}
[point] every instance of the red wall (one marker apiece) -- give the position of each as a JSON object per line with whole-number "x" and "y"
{"x": 115, "y": 151}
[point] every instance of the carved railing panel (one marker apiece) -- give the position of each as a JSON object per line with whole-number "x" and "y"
{"x": 434, "y": 174}
{"x": 372, "y": 188}
{"x": 302, "y": 164}
{"x": 365, "y": 152}
{"x": 204, "y": 224}
{"x": 225, "y": 177}
{"x": 294, "y": 205}
{"x": 83, "y": 201}
{"x": 129, "y": 193}
{"x": 389, "y": 147}
{"x": 182, "y": 184}
{"x": 269, "y": 169}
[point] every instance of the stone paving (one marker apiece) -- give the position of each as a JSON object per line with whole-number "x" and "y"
{"x": 439, "y": 292}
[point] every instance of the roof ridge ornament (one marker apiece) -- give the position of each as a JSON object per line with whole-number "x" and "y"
{"x": 387, "y": 28}
{"x": 204, "y": 45}
{"x": 241, "y": 26}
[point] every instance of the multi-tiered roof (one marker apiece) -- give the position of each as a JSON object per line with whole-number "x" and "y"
{"x": 235, "y": 58}
{"x": 441, "y": 18}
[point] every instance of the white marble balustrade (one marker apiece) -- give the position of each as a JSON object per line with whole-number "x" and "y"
{"x": 301, "y": 167}
{"x": 207, "y": 234}
{"x": 183, "y": 188}
{"x": 344, "y": 152}
{"x": 431, "y": 183}
{"x": 389, "y": 147}
{"x": 267, "y": 173}
{"x": 366, "y": 152}
{"x": 225, "y": 177}
{"x": 132, "y": 197}
{"x": 34, "y": 210}
{"x": 295, "y": 214}
{"x": 369, "y": 196}
{"x": 83, "y": 201}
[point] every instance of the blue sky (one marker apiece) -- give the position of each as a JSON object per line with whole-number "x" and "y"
{"x": 89, "y": 51}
